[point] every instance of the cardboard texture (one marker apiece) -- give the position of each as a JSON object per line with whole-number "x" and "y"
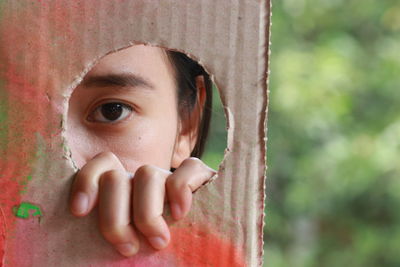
{"x": 46, "y": 47}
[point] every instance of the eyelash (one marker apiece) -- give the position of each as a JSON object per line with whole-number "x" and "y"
{"x": 122, "y": 111}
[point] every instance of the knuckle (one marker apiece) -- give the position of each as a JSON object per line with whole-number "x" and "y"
{"x": 145, "y": 171}
{"x": 107, "y": 154}
{"x": 194, "y": 163}
{"x": 149, "y": 172}
{"x": 111, "y": 157}
{"x": 114, "y": 159}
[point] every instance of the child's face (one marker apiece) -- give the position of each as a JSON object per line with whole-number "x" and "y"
{"x": 126, "y": 104}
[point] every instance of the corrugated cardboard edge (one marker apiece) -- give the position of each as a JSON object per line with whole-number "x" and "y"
{"x": 265, "y": 30}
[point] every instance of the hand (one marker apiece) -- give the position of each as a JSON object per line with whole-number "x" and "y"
{"x": 128, "y": 204}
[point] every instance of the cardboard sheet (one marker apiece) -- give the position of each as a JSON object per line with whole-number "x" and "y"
{"x": 46, "y": 47}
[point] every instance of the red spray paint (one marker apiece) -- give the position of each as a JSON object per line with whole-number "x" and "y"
{"x": 27, "y": 85}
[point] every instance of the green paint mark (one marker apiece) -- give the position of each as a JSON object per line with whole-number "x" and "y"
{"x": 25, "y": 209}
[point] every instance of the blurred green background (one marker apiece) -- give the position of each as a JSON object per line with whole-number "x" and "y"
{"x": 333, "y": 179}
{"x": 216, "y": 141}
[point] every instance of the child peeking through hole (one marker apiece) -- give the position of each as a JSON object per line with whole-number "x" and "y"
{"x": 136, "y": 127}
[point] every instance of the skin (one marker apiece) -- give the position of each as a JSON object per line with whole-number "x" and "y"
{"x": 124, "y": 159}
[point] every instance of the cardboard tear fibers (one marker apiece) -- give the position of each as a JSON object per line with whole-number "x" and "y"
{"x": 46, "y": 47}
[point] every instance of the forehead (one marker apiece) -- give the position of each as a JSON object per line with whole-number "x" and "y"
{"x": 149, "y": 62}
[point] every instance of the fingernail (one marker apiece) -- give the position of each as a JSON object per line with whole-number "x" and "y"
{"x": 80, "y": 203}
{"x": 157, "y": 242}
{"x": 176, "y": 211}
{"x": 127, "y": 249}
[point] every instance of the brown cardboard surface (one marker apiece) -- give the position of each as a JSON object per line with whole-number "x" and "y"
{"x": 48, "y": 46}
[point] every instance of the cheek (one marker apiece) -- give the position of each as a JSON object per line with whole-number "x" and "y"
{"x": 143, "y": 142}
{"x": 150, "y": 143}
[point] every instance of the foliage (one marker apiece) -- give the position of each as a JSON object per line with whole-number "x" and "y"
{"x": 333, "y": 186}
{"x": 216, "y": 142}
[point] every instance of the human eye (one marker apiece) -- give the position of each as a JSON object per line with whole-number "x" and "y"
{"x": 111, "y": 112}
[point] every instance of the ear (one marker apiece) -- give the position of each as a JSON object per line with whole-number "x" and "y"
{"x": 188, "y": 131}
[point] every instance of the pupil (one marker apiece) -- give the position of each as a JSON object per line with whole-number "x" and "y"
{"x": 111, "y": 111}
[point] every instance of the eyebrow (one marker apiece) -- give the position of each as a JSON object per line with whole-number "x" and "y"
{"x": 117, "y": 80}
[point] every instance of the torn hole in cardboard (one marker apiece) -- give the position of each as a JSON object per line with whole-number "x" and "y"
{"x": 97, "y": 109}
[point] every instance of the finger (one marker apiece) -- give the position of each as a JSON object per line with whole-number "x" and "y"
{"x": 148, "y": 205}
{"x": 190, "y": 175}
{"x": 84, "y": 189}
{"x": 115, "y": 210}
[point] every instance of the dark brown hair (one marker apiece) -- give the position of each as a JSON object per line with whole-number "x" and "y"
{"x": 186, "y": 71}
